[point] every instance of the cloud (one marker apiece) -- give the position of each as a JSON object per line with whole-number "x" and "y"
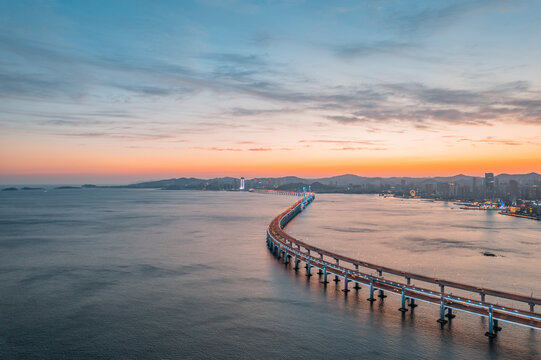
{"x": 251, "y": 76}
{"x": 345, "y": 119}
{"x": 255, "y": 112}
{"x": 260, "y": 149}
{"x": 215, "y": 149}
{"x": 423, "y": 106}
{"x": 493, "y": 141}
{"x": 38, "y": 86}
{"x": 246, "y": 142}
{"x": 119, "y": 136}
{"x": 351, "y": 51}
{"x": 434, "y": 17}
{"x": 359, "y": 148}
{"x": 155, "y": 90}
{"x": 326, "y": 141}
{"x": 234, "y": 58}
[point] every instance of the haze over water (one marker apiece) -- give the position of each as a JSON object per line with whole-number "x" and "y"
{"x": 108, "y": 273}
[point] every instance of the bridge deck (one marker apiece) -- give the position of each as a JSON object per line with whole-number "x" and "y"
{"x": 329, "y": 263}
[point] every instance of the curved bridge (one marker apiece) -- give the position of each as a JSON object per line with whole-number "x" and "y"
{"x": 287, "y": 248}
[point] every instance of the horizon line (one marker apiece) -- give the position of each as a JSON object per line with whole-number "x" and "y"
{"x": 119, "y": 183}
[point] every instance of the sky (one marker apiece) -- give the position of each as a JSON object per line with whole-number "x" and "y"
{"x": 112, "y": 92}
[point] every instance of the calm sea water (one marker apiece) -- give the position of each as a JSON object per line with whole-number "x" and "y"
{"x": 108, "y": 273}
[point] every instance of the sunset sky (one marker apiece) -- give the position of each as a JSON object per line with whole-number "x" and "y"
{"x": 121, "y": 91}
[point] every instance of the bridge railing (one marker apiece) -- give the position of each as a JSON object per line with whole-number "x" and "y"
{"x": 276, "y": 192}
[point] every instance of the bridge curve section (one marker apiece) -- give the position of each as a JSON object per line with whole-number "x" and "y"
{"x": 295, "y": 251}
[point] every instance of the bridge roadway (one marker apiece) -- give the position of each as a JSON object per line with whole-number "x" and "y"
{"x": 288, "y": 248}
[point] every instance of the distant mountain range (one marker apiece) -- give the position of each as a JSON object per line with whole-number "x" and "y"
{"x": 328, "y": 184}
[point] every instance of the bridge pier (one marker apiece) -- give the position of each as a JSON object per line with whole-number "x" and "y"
{"x": 371, "y": 298}
{"x": 307, "y": 261}
{"x": 356, "y": 287}
{"x": 336, "y": 279}
{"x": 346, "y": 290}
{"x": 403, "y": 307}
{"x": 450, "y": 314}
{"x": 531, "y": 306}
{"x": 308, "y": 268}
{"x": 442, "y": 320}
{"x": 490, "y": 333}
{"x": 412, "y": 303}
{"x": 325, "y": 275}
{"x": 381, "y": 294}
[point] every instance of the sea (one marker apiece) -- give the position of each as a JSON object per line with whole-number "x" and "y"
{"x": 109, "y": 273}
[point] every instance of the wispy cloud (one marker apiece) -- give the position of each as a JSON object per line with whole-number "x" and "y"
{"x": 356, "y": 50}
{"x": 494, "y": 141}
{"x": 255, "y": 112}
{"x": 433, "y": 16}
{"x": 119, "y": 136}
{"x": 422, "y": 106}
{"x": 215, "y": 149}
{"x": 335, "y": 142}
{"x": 359, "y": 148}
{"x": 245, "y": 143}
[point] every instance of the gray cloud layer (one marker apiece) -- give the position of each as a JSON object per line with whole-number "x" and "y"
{"x": 63, "y": 73}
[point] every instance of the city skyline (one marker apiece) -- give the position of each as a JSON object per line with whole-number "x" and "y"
{"x": 114, "y": 93}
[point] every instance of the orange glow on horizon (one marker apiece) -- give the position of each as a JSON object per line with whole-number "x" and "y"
{"x": 164, "y": 168}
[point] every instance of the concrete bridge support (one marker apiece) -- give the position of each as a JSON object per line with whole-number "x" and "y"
{"x": 403, "y": 308}
{"x": 325, "y": 275}
{"x": 442, "y": 320}
{"x": 346, "y": 290}
{"x": 371, "y": 298}
{"x": 490, "y": 333}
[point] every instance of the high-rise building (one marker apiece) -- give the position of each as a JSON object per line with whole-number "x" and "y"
{"x": 241, "y": 184}
{"x": 513, "y": 190}
{"x": 489, "y": 185}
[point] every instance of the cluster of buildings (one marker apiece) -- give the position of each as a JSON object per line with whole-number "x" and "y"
{"x": 513, "y": 197}
{"x": 489, "y": 188}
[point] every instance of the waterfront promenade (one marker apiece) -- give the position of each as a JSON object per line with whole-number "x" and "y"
{"x": 355, "y": 272}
